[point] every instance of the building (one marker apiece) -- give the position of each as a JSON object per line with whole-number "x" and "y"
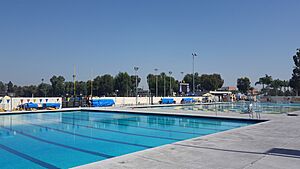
{"x": 228, "y": 88}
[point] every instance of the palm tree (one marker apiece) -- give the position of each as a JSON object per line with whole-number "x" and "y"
{"x": 286, "y": 84}
{"x": 275, "y": 84}
{"x": 260, "y": 82}
{"x": 267, "y": 80}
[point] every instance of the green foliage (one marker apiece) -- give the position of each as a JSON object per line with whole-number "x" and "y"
{"x": 124, "y": 84}
{"x": 103, "y": 85}
{"x": 81, "y": 88}
{"x": 151, "y": 80}
{"x": 58, "y": 87}
{"x": 276, "y": 85}
{"x": 163, "y": 83}
{"x": 204, "y": 82}
{"x": 10, "y": 87}
{"x": 267, "y": 80}
{"x": 243, "y": 84}
{"x": 211, "y": 82}
{"x": 295, "y": 80}
{"x": 133, "y": 79}
{"x": 43, "y": 89}
{"x": 2, "y": 88}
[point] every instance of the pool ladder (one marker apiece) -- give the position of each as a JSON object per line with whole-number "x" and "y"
{"x": 251, "y": 114}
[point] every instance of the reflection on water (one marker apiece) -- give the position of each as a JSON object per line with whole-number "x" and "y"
{"x": 241, "y": 107}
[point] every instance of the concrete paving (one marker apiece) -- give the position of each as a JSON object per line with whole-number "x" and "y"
{"x": 271, "y": 144}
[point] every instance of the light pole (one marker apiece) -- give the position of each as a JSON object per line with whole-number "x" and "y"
{"x": 91, "y": 84}
{"x": 136, "y": 84}
{"x": 194, "y": 55}
{"x": 170, "y": 73}
{"x": 182, "y": 76}
{"x": 164, "y": 85}
{"x": 156, "y": 83}
{"x": 45, "y": 90}
{"x": 74, "y": 80}
{"x": 116, "y": 95}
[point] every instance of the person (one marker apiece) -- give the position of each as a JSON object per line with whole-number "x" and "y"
{"x": 250, "y": 110}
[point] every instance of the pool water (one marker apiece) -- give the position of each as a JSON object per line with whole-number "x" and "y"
{"x": 241, "y": 107}
{"x": 69, "y": 139}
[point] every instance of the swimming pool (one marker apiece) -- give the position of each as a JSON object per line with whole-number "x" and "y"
{"x": 68, "y": 139}
{"x": 240, "y": 107}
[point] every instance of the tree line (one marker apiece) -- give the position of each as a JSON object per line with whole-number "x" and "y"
{"x": 275, "y": 87}
{"x": 124, "y": 84}
{"x": 270, "y": 87}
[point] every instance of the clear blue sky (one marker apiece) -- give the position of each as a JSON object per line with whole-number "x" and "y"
{"x": 41, "y": 38}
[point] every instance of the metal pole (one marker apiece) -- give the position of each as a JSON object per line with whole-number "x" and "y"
{"x": 136, "y": 84}
{"x": 45, "y": 90}
{"x": 74, "y": 80}
{"x": 182, "y": 76}
{"x": 164, "y": 85}
{"x": 170, "y": 83}
{"x": 156, "y": 83}
{"x": 194, "y": 54}
{"x": 91, "y": 84}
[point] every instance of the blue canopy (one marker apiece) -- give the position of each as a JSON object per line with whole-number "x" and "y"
{"x": 30, "y": 105}
{"x": 187, "y": 100}
{"x": 51, "y": 105}
{"x": 102, "y": 102}
{"x": 167, "y": 101}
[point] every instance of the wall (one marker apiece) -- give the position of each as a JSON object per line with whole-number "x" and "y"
{"x": 9, "y": 104}
{"x": 120, "y": 101}
{"x": 280, "y": 99}
{"x": 142, "y": 100}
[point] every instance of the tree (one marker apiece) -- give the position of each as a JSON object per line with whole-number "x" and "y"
{"x": 29, "y": 91}
{"x": 133, "y": 85}
{"x": 122, "y": 83}
{"x": 19, "y": 91}
{"x": 188, "y": 78}
{"x": 81, "y": 88}
{"x": 295, "y": 80}
{"x": 286, "y": 84}
{"x": 151, "y": 80}
{"x": 211, "y": 82}
{"x": 2, "y": 88}
{"x": 43, "y": 90}
{"x": 103, "y": 85}
{"x": 275, "y": 84}
{"x": 267, "y": 80}
{"x": 10, "y": 87}
{"x": 243, "y": 84}
{"x": 163, "y": 84}
{"x": 89, "y": 84}
{"x": 69, "y": 88}
{"x": 58, "y": 87}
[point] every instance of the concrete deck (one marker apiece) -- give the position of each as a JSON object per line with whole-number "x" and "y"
{"x": 271, "y": 144}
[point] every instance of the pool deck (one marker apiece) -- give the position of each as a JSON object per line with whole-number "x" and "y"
{"x": 272, "y": 144}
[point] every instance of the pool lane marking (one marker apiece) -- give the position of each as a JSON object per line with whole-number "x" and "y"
{"x": 101, "y": 115}
{"x": 149, "y": 128}
{"x": 114, "y": 131}
{"x": 104, "y": 117}
{"x": 200, "y": 122}
{"x": 60, "y": 145}
{"x": 27, "y": 157}
{"x": 94, "y": 138}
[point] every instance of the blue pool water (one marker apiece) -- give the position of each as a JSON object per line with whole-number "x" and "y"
{"x": 68, "y": 139}
{"x": 240, "y": 107}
